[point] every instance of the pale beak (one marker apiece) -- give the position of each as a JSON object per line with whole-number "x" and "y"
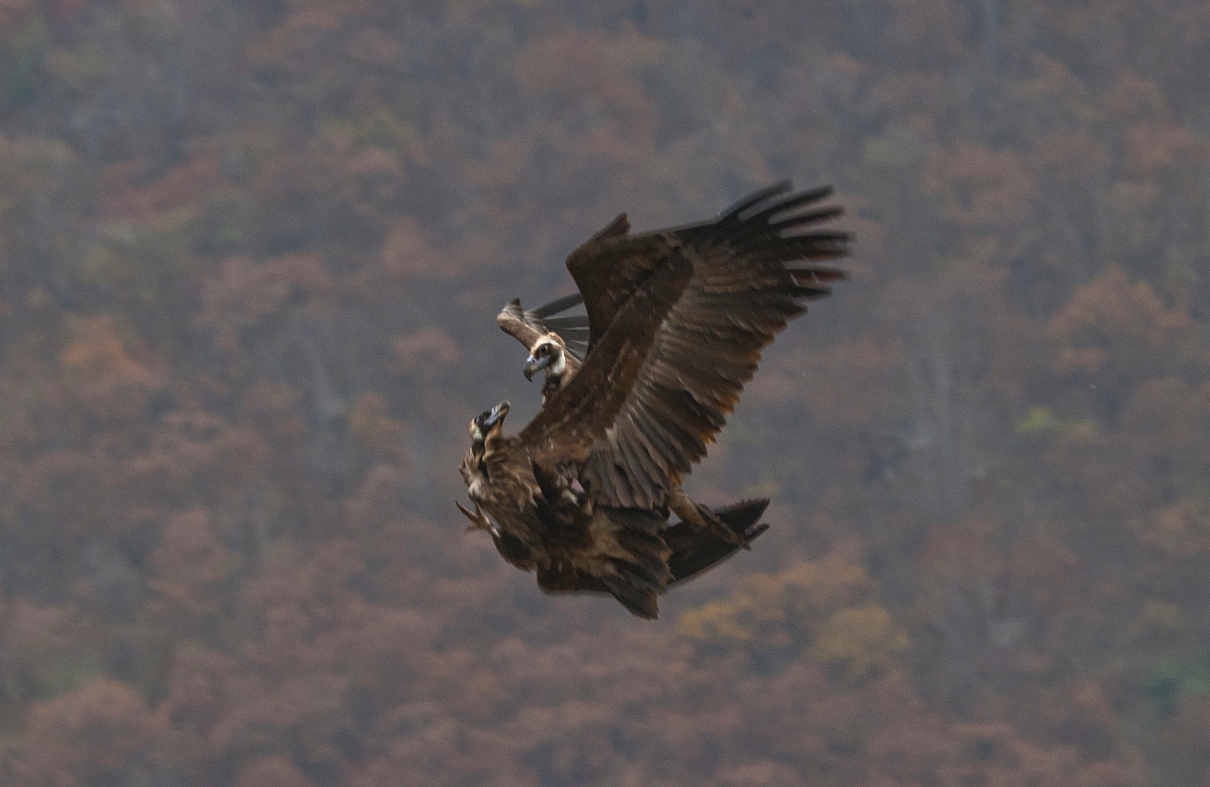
{"x": 532, "y": 365}
{"x": 496, "y": 415}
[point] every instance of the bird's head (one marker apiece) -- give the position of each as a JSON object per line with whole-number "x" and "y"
{"x": 488, "y": 425}
{"x": 549, "y": 353}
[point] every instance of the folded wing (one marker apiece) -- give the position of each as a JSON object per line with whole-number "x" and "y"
{"x": 528, "y": 325}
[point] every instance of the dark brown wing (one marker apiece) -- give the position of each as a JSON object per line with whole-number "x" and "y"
{"x": 526, "y": 325}
{"x": 692, "y": 309}
{"x": 611, "y": 265}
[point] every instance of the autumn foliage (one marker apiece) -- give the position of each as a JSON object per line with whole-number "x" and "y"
{"x": 250, "y": 254}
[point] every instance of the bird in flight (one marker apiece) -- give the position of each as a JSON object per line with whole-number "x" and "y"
{"x": 636, "y": 388}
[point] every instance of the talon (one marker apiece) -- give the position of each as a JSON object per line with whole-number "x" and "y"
{"x": 479, "y": 520}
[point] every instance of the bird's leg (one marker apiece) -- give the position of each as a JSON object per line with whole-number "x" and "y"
{"x": 703, "y": 517}
{"x": 479, "y": 520}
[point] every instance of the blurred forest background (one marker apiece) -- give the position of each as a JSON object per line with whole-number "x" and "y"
{"x": 250, "y": 257}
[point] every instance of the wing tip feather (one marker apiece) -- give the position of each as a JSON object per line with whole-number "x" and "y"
{"x": 755, "y": 198}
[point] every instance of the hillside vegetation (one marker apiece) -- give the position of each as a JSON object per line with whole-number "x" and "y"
{"x": 250, "y": 257}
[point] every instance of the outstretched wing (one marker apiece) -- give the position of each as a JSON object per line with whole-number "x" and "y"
{"x": 685, "y": 314}
{"x": 526, "y": 325}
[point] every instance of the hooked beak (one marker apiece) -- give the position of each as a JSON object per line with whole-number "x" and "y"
{"x": 496, "y": 415}
{"x": 532, "y": 365}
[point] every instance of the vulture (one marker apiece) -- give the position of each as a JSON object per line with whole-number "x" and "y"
{"x": 635, "y": 390}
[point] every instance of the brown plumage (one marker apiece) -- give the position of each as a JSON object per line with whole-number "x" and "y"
{"x": 549, "y": 352}
{"x": 676, "y": 320}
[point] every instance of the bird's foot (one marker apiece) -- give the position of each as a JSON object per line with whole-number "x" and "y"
{"x": 479, "y": 520}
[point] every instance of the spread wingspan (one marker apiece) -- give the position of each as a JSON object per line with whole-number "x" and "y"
{"x": 677, "y": 321}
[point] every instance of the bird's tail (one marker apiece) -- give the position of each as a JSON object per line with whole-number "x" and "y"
{"x": 695, "y": 550}
{"x": 637, "y": 582}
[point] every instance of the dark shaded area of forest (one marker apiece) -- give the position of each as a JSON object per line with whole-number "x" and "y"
{"x": 250, "y": 257}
